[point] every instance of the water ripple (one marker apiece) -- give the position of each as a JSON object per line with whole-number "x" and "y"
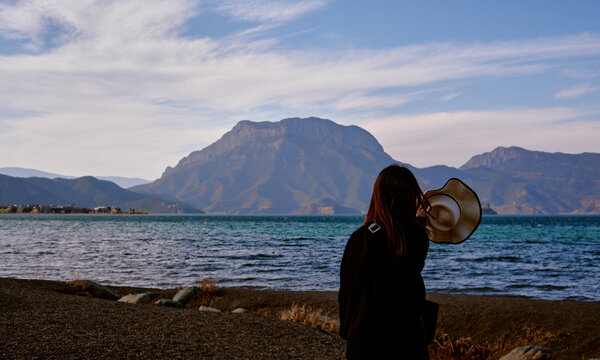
{"x": 539, "y": 257}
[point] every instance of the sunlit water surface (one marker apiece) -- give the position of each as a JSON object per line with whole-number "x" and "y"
{"x": 548, "y": 257}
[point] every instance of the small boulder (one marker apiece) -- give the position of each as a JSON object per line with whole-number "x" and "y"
{"x": 240, "y": 311}
{"x": 529, "y": 352}
{"x": 186, "y": 295}
{"x": 328, "y": 323}
{"x": 94, "y": 289}
{"x": 209, "y": 309}
{"x": 170, "y": 303}
{"x": 142, "y": 298}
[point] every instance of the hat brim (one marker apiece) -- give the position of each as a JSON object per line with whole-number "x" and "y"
{"x": 470, "y": 213}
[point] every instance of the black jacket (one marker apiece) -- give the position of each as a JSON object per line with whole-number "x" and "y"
{"x": 381, "y": 295}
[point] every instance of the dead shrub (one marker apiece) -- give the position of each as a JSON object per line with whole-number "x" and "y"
{"x": 446, "y": 348}
{"x": 461, "y": 348}
{"x": 305, "y": 314}
{"x": 208, "y": 286}
{"x": 533, "y": 334}
{"x": 208, "y": 295}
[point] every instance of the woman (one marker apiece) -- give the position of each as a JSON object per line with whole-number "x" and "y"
{"x": 381, "y": 289}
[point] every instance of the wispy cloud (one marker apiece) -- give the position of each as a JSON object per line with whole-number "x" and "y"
{"x": 450, "y": 96}
{"x": 122, "y": 77}
{"x": 576, "y": 91}
{"x": 110, "y": 22}
{"x": 268, "y": 10}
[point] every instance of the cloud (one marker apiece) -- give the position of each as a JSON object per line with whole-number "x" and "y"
{"x": 112, "y": 21}
{"x": 121, "y": 91}
{"x": 576, "y": 91}
{"x": 450, "y": 96}
{"x": 268, "y": 11}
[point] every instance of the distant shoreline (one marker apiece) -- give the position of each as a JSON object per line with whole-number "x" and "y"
{"x": 69, "y": 209}
{"x": 145, "y": 212}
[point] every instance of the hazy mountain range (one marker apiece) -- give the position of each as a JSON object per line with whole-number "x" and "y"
{"x": 315, "y": 166}
{"x": 85, "y": 191}
{"x": 124, "y": 182}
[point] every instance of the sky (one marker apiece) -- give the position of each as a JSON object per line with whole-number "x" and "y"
{"x": 127, "y": 88}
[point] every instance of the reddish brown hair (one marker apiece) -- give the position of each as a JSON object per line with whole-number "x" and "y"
{"x": 394, "y": 203}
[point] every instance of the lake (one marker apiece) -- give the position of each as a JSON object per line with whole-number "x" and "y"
{"x": 545, "y": 257}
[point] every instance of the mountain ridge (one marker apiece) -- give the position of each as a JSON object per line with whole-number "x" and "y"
{"x": 576, "y": 173}
{"x": 314, "y": 165}
{"x": 246, "y": 131}
{"x": 124, "y": 182}
{"x": 85, "y": 191}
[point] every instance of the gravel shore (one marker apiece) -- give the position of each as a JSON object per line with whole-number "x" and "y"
{"x": 50, "y": 320}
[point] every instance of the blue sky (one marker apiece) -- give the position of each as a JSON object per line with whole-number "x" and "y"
{"x": 130, "y": 87}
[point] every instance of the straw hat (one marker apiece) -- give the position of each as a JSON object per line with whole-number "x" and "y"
{"x": 455, "y": 212}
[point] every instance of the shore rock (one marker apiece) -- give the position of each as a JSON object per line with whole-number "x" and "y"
{"x": 94, "y": 289}
{"x": 170, "y": 303}
{"x": 330, "y": 324}
{"x": 209, "y": 309}
{"x": 186, "y": 295}
{"x": 142, "y": 298}
{"x": 529, "y": 352}
{"x": 240, "y": 311}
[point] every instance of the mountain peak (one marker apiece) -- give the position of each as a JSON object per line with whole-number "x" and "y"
{"x": 495, "y": 158}
{"x": 311, "y": 129}
{"x": 287, "y": 166}
{"x": 575, "y": 173}
{"x": 513, "y": 157}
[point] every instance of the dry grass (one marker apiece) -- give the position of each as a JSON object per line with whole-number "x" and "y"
{"x": 264, "y": 311}
{"x": 208, "y": 286}
{"x": 208, "y": 295}
{"x": 446, "y": 348}
{"x": 533, "y": 334}
{"x": 312, "y": 317}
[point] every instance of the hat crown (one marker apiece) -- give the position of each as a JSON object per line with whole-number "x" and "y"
{"x": 444, "y": 212}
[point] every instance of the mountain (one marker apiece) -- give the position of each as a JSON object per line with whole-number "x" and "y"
{"x": 23, "y": 172}
{"x": 124, "y": 182}
{"x": 572, "y": 173}
{"x": 295, "y": 165}
{"x": 84, "y": 192}
{"x": 315, "y": 166}
{"x": 519, "y": 181}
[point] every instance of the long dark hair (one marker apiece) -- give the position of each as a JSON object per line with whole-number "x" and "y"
{"x": 394, "y": 203}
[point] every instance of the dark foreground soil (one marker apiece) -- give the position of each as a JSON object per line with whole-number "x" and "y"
{"x": 51, "y": 320}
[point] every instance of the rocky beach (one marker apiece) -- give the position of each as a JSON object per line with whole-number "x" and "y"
{"x": 72, "y": 320}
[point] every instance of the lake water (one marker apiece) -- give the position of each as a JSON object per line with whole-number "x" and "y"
{"x": 546, "y": 257}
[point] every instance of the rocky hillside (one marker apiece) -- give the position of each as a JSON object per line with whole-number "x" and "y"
{"x": 573, "y": 173}
{"x": 519, "y": 181}
{"x": 292, "y": 166}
